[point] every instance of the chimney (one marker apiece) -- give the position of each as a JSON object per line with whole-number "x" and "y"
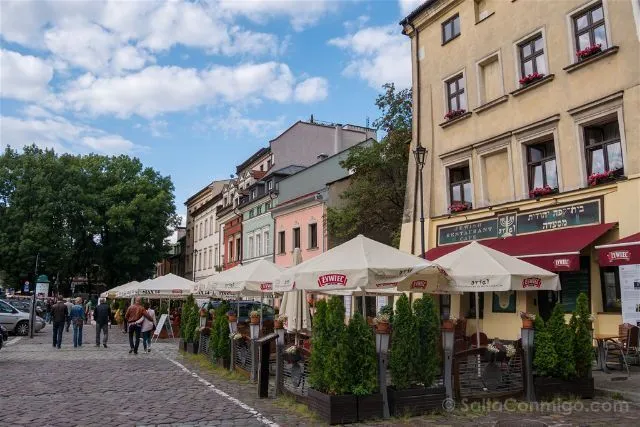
{"x": 337, "y": 139}
{"x": 322, "y": 156}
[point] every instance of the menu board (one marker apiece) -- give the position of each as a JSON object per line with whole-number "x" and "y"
{"x": 630, "y": 293}
{"x": 572, "y": 284}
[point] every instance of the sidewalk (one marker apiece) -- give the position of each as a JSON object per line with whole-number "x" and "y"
{"x": 616, "y": 384}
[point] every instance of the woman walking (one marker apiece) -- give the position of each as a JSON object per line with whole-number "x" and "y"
{"x": 147, "y": 327}
{"x": 77, "y": 320}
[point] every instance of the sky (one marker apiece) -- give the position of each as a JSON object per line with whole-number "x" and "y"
{"x": 192, "y": 88}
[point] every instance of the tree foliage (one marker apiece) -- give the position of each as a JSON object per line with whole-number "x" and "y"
{"x": 362, "y": 358}
{"x": 319, "y": 342}
{"x": 107, "y": 217}
{"x": 219, "y": 341}
{"x": 428, "y": 326}
{"x": 337, "y": 366}
{"x": 404, "y": 342}
{"x": 374, "y": 201}
{"x": 580, "y": 325}
{"x": 545, "y": 359}
{"x": 554, "y": 346}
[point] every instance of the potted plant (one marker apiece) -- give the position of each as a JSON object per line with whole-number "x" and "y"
{"x": 231, "y": 315}
{"x": 541, "y": 191}
{"x": 381, "y": 322}
{"x": 589, "y": 51}
{"x": 454, "y": 113}
{"x": 599, "y": 178}
{"x": 329, "y": 377}
{"x": 581, "y": 325}
{"x": 279, "y": 321}
{"x": 530, "y": 78}
{"x": 219, "y": 340}
{"x": 459, "y": 207}
{"x": 254, "y": 317}
{"x": 293, "y": 354}
{"x": 527, "y": 320}
{"x": 362, "y": 366}
{"x": 412, "y": 391}
{"x": 449, "y": 324}
{"x": 500, "y": 352}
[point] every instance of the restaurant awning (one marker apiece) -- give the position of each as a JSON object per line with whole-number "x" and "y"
{"x": 621, "y": 252}
{"x": 557, "y": 250}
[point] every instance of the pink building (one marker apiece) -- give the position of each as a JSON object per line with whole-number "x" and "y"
{"x": 299, "y": 223}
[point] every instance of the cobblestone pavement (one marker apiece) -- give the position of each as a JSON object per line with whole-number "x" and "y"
{"x": 91, "y": 386}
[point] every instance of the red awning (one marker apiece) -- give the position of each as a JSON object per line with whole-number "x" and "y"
{"x": 621, "y": 252}
{"x": 557, "y": 250}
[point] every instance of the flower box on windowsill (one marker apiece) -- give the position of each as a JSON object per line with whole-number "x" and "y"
{"x": 539, "y": 192}
{"x": 454, "y": 120}
{"x": 604, "y": 177}
{"x": 592, "y": 58}
{"x": 533, "y": 85}
{"x": 589, "y": 51}
{"x": 459, "y": 207}
{"x": 531, "y": 78}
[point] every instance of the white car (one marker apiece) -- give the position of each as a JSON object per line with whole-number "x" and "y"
{"x": 17, "y": 321}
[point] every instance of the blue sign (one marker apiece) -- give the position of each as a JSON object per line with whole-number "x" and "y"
{"x": 26, "y": 286}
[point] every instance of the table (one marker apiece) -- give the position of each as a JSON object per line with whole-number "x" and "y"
{"x": 602, "y": 351}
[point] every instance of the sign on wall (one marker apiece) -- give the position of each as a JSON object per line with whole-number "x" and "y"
{"x": 630, "y": 293}
{"x": 511, "y": 224}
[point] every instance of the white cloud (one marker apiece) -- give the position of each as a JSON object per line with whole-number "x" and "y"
{"x": 23, "y": 77}
{"x": 377, "y": 55}
{"x": 237, "y": 124}
{"x": 156, "y": 90}
{"x": 312, "y": 89}
{"x": 60, "y": 134}
{"x": 407, "y": 6}
{"x": 356, "y": 24}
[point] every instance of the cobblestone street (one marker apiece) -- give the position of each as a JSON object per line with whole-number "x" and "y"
{"x": 91, "y": 386}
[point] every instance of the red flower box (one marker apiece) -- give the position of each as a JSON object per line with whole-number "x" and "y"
{"x": 539, "y": 192}
{"x": 530, "y": 78}
{"x": 454, "y": 113}
{"x": 598, "y": 178}
{"x": 588, "y": 51}
{"x": 459, "y": 207}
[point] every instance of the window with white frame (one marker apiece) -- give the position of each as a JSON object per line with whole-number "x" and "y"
{"x": 296, "y": 237}
{"x": 603, "y": 148}
{"x": 589, "y": 29}
{"x": 216, "y": 259}
{"x": 490, "y": 85}
{"x": 258, "y": 244}
{"x": 206, "y": 227}
{"x": 250, "y": 248}
{"x": 211, "y": 225}
{"x": 265, "y": 236}
{"x": 313, "y": 236}
{"x": 210, "y": 257}
{"x": 195, "y": 235}
{"x": 199, "y": 261}
{"x": 204, "y": 267}
{"x": 541, "y": 165}
{"x": 531, "y": 56}
{"x": 270, "y": 185}
{"x": 238, "y": 248}
{"x": 455, "y": 92}
{"x": 450, "y": 28}
{"x": 460, "y": 186}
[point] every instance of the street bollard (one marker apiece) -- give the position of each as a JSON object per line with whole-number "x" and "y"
{"x": 382, "y": 347}
{"x": 447, "y": 344}
{"x": 527, "y": 346}
{"x": 255, "y": 333}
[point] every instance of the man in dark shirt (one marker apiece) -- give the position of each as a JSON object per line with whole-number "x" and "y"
{"x": 59, "y": 315}
{"x": 133, "y": 314}
{"x": 101, "y": 316}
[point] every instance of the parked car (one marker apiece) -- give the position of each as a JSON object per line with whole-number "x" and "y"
{"x": 24, "y": 305}
{"x": 16, "y": 320}
{"x": 4, "y": 336}
{"x": 246, "y": 307}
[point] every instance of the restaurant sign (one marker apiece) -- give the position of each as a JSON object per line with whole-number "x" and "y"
{"x": 512, "y": 224}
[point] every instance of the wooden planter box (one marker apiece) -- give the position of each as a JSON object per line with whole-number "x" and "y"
{"x": 415, "y": 401}
{"x": 182, "y": 345}
{"x": 193, "y": 347}
{"x": 334, "y": 409}
{"x": 225, "y": 363}
{"x": 370, "y": 407}
{"x": 548, "y": 388}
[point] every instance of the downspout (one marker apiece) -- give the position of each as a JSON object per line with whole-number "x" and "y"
{"x": 416, "y": 112}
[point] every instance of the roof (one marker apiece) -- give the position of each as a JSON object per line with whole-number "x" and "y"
{"x": 417, "y": 11}
{"x": 255, "y": 156}
{"x": 215, "y": 186}
{"x": 285, "y": 171}
{"x": 345, "y": 127}
{"x": 344, "y": 178}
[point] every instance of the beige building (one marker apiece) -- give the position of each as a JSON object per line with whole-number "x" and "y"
{"x": 521, "y": 104}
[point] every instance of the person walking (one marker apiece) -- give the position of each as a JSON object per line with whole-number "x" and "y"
{"x": 147, "y": 327}
{"x": 101, "y": 315}
{"x": 59, "y": 315}
{"x": 87, "y": 311}
{"x": 69, "y": 305}
{"x": 133, "y": 314}
{"x": 77, "y": 318}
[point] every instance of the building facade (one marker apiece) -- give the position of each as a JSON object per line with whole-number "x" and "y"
{"x": 206, "y": 238}
{"x": 529, "y": 115}
{"x": 174, "y": 262}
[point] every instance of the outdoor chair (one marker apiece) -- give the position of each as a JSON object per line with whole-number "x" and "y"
{"x": 624, "y": 348}
{"x": 473, "y": 341}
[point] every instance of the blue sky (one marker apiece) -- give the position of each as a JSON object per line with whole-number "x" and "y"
{"x": 191, "y": 88}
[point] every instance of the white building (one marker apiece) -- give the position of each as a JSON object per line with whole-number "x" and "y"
{"x": 206, "y": 233}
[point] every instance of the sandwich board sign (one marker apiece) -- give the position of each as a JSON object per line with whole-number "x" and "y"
{"x": 161, "y": 324}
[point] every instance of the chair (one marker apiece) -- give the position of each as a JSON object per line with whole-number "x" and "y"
{"x": 625, "y": 347}
{"x": 473, "y": 341}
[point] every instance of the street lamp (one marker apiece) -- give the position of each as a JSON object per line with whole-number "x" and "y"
{"x": 420, "y": 154}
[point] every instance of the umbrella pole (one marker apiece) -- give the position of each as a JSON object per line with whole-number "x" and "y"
{"x": 477, "y": 321}
{"x": 364, "y": 308}
{"x": 261, "y": 308}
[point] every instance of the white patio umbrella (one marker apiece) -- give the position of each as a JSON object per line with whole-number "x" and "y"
{"x": 295, "y": 306}
{"x": 168, "y": 286}
{"x": 129, "y": 289}
{"x": 359, "y": 263}
{"x": 114, "y": 291}
{"x": 477, "y": 268}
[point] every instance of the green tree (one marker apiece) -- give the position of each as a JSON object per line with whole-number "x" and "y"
{"x": 374, "y": 201}
{"x": 362, "y": 358}
{"x": 404, "y": 342}
{"x": 337, "y": 376}
{"x": 428, "y": 325}
{"x": 580, "y": 325}
{"x": 186, "y": 319}
{"x": 320, "y": 345}
{"x": 219, "y": 341}
{"x": 563, "y": 339}
{"x": 545, "y": 358}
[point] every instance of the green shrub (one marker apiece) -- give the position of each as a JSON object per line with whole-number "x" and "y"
{"x": 580, "y": 325}
{"x": 336, "y": 370}
{"x": 563, "y": 338}
{"x": 404, "y": 341}
{"x": 219, "y": 341}
{"x": 319, "y": 345}
{"x": 387, "y": 309}
{"x": 427, "y": 362}
{"x": 545, "y": 359}
{"x": 362, "y": 358}
{"x": 185, "y": 318}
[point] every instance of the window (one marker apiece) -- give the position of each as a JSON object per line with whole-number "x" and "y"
{"x": 471, "y": 314}
{"x": 253, "y": 194}
{"x": 230, "y": 254}
{"x": 259, "y": 210}
{"x": 296, "y": 237}
{"x": 261, "y": 168}
{"x": 541, "y": 164}
{"x": 195, "y": 236}
{"x": 211, "y": 225}
{"x": 267, "y": 206}
{"x": 450, "y": 29}
{"x": 603, "y": 148}
{"x": 251, "y": 213}
{"x": 490, "y": 79}
{"x": 250, "y": 248}
{"x": 610, "y": 280}
{"x": 589, "y": 29}
{"x": 258, "y": 244}
{"x": 204, "y": 267}
{"x": 456, "y": 98}
{"x": 266, "y": 242}
{"x": 216, "y": 259}
{"x": 206, "y": 227}
{"x": 270, "y": 185}
{"x": 532, "y": 58}
{"x": 238, "y": 249}
{"x": 445, "y": 306}
{"x": 281, "y": 243}
{"x": 482, "y": 10}
{"x": 199, "y": 261}
{"x": 313, "y": 236}
{"x": 460, "y": 190}
{"x": 5, "y": 308}
{"x": 268, "y": 163}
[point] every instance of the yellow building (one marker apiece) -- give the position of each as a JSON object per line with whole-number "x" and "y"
{"x": 520, "y": 105}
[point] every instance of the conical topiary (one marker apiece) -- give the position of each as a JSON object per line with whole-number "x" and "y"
{"x": 582, "y": 345}
{"x": 428, "y": 328}
{"x": 563, "y": 339}
{"x": 362, "y": 358}
{"x": 545, "y": 359}
{"x": 319, "y": 343}
{"x": 336, "y": 368}
{"x": 404, "y": 344}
